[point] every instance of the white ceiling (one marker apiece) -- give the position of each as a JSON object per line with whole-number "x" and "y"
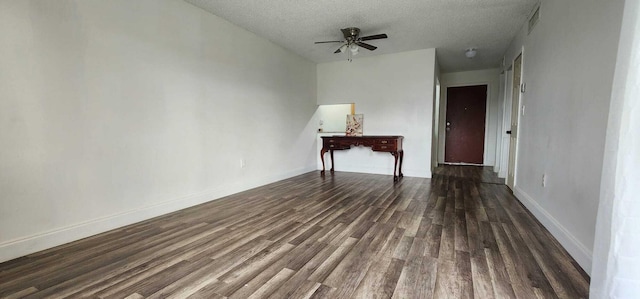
{"x": 450, "y": 26}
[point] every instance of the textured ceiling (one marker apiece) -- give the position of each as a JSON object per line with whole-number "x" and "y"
{"x": 450, "y": 26}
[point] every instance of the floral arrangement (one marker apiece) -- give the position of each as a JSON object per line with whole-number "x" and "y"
{"x": 354, "y": 124}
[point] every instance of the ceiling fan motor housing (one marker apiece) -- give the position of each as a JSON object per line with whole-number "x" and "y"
{"x": 351, "y": 33}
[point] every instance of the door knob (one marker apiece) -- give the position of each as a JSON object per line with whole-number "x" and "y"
{"x": 509, "y": 132}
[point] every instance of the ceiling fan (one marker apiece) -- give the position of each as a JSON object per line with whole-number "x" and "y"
{"x": 352, "y": 41}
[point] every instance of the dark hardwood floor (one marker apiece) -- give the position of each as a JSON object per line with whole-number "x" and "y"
{"x": 458, "y": 235}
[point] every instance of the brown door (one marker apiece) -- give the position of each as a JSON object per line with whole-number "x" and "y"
{"x": 466, "y": 110}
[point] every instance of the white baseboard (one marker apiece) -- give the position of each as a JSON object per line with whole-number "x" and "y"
{"x": 417, "y": 173}
{"x": 576, "y": 249}
{"x": 408, "y": 172}
{"x": 26, "y": 245}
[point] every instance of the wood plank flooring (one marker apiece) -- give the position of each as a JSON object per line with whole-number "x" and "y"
{"x": 460, "y": 234}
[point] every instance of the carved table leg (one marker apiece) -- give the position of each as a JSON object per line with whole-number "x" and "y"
{"x": 395, "y": 165}
{"x": 322, "y": 152}
{"x": 401, "y": 157}
{"x": 331, "y": 152}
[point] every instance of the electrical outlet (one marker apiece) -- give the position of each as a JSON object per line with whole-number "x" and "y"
{"x": 243, "y": 163}
{"x": 544, "y": 180}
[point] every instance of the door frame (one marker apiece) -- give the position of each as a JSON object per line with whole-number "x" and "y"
{"x": 506, "y": 122}
{"x": 443, "y": 116}
{"x": 519, "y": 122}
{"x": 435, "y": 133}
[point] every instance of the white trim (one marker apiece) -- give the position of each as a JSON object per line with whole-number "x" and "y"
{"x": 464, "y": 164}
{"x": 520, "y": 116}
{"x": 412, "y": 173}
{"x": 371, "y": 169}
{"x": 26, "y": 245}
{"x": 499, "y": 123}
{"x": 505, "y": 156}
{"x": 506, "y": 122}
{"x": 520, "y": 102}
{"x": 435, "y": 132}
{"x": 577, "y": 250}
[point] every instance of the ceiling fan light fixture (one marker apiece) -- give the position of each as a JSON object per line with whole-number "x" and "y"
{"x": 354, "y": 49}
{"x": 471, "y": 52}
{"x": 343, "y": 48}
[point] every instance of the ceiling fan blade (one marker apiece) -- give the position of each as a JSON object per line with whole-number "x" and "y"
{"x": 366, "y": 46}
{"x": 370, "y": 37}
{"x": 329, "y": 41}
{"x": 337, "y": 51}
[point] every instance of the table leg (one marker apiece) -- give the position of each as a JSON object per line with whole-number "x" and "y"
{"x": 401, "y": 157}
{"x": 322, "y": 152}
{"x": 395, "y": 165}
{"x": 331, "y": 152}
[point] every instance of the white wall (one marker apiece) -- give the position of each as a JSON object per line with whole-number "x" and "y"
{"x": 117, "y": 111}
{"x": 395, "y": 94}
{"x": 616, "y": 258}
{"x": 489, "y": 77}
{"x": 568, "y": 65}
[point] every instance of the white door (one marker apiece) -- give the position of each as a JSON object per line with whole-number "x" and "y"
{"x": 515, "y": 109}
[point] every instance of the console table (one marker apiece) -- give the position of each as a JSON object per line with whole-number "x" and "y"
{"x": 389, "y": 144}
